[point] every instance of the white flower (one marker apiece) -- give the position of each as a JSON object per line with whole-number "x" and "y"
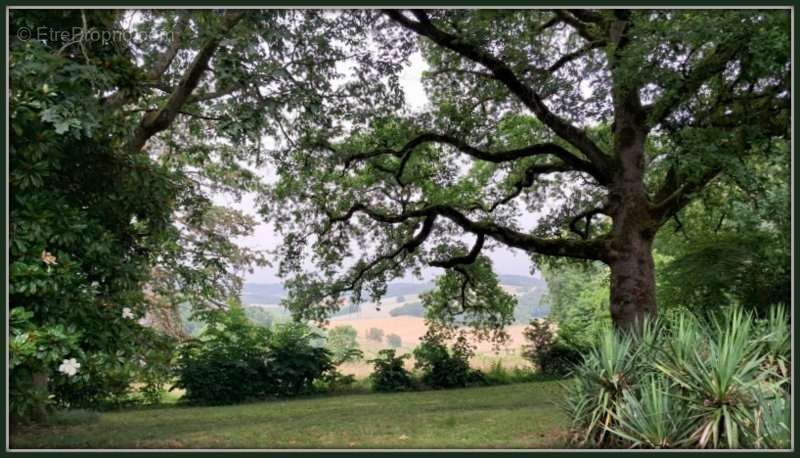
{"x": 69, "y": 367}
{"x": 142, "y": 362}
{"x": 127, "y": 313}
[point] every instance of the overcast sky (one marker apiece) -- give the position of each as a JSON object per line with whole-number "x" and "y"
{"x": 506, "y": 261}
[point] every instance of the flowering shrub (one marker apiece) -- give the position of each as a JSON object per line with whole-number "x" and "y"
{"x": 34, "y": 352}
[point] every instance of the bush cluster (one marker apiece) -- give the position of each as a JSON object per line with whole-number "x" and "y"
{"x": 547, "y": 352}
{"x": 444, "y": 367}
{"x": 234, "y": 361}
{"x": 389, "y": 372}
{"x": 712, "y": 382}
{"x": 438, "y": 366}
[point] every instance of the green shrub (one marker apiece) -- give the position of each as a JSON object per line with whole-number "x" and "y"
{"x": 710, "y": 383}
{"x": 559, "y": 360}
{"x": 294, "y": 362}
{"x": 334, "y": 381}
{"x": 442, "y": 367}
{"x": 35, "y": 351}
{"x": 389, "y": 372}
{"x": 773, "y": 422}
{"x": 234, "y": 361}
{"x": 499, "y": 375}
{"x": 651, "y": 416}
{"x": 607, "y": 371}
{"x": 547, "y": 352}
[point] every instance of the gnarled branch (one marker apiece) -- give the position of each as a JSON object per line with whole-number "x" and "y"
{"x": 594, "y": 249}
{"x": 461, "y": 260}
{"x": 711, "y": 65}
{"x": 672, "y": 200}
{"x": 571, "y": 161}
{"x": 587, "y": 217}
{"x": 503, "y": 73}
{"x": 161, "y": 119}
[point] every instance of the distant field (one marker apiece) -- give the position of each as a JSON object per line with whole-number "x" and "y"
{"x": 411, "y": 329}
{"x": 512, "y": 416}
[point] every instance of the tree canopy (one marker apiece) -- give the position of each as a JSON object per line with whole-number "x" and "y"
{"x": 605, "y": 122}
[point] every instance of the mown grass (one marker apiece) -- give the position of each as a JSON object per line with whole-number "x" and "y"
{"x": 512, "y": 416}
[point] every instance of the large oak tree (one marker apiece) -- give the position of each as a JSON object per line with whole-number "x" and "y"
{"x": 605, "y": 122}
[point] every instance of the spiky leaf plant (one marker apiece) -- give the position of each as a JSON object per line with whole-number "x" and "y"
{"x": 716, "y": 382}
{"x": 608, "y": 371}
{"x": 773, "y": 422}
{"x": 652, "y": 416}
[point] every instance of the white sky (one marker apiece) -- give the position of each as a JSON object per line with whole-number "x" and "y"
{"x": 506, "y": 261}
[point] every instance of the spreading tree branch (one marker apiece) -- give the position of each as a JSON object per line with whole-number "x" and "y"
{"x": 161, "y": 119}
{"x": 713, "y": 64}
{"x": 462, "y": 260}
{"x": 670, "y": 200}
{"x": 502, "y": 72}
{"x": 571, "y": 162}
{"x": 587, "y": 216}
{"x": 594, "y": 249}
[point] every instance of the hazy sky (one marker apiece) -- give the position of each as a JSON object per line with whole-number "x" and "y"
{"x": 506, "y": 261}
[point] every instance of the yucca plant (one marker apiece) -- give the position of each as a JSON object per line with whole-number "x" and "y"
{"x": 716, "y": 382}
{"x": 648, "y": 338}
{"x": 773, "y": 422}
{"x": 652, "y": 417}
{"x": 777, "y": 343}
{"x": 718, "y": 379}
{"x": 608, "y": 371}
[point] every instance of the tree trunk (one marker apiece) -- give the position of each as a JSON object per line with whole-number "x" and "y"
{"x": 633, "y": 284}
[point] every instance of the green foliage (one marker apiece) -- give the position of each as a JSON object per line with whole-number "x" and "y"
{"x": 34, "y": 350}
{"x": 650, "y": 416}
{"x": 608, "y": 370}
{"x": 740, "y": 231}
{"x": 559, "y": 360}
{"x": 94, "y": 241}
{"x": 470, "y": 296}
{"x": 259, "y": 316}
{"x": 444, "y": 367}
{"x": 707, "y": 383}
{"x": 341, "y": 341}
{"x": 389, "y": 372}
{"x": 230, "y": 350}
{"x": 499, "y": 375}
{"x": 394, "y": 340}
{"x": 578, "y": 295}
{"x": 234, "y": 360}
{"x": 547, "y": 351}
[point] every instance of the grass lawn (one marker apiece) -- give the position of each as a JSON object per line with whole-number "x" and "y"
{"x": 511, "y": 416}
